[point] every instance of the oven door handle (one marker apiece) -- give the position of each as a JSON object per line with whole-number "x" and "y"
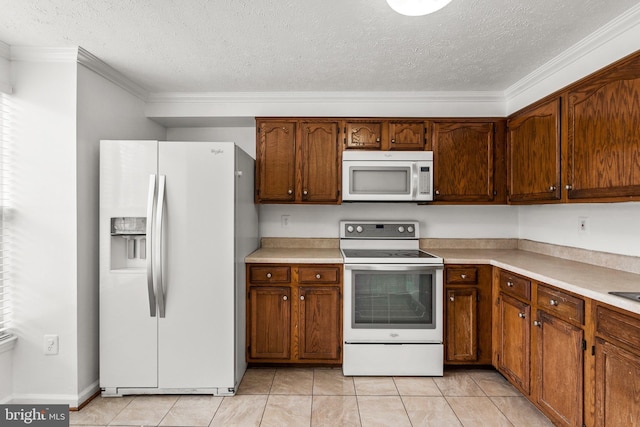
{"x": 394, "y": 267}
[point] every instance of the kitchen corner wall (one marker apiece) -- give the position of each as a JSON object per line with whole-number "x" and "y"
{"x": 61, "y": 111}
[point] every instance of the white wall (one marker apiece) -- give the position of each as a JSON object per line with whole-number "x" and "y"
{"x": 104, "y": 111}
{"x": 5, "y": 67}
{"x": 611, "y": 227}
{"x": 44, "y": 244}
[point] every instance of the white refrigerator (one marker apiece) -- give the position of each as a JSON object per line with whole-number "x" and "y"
{"x": 176, "y": 221}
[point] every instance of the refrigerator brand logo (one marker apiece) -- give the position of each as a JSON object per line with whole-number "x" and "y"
{"x": 216, "y": 151}
{"x": 20, "y": 415}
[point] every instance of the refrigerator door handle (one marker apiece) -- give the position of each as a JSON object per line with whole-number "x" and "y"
{"x": 158, "y": 245}
{"x": 151, "y": 200}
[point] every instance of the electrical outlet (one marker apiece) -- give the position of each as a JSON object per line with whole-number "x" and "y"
{"x": 51, "y": 344}
{"x": 285, "y": 220}
{"x": 583, "y": 224}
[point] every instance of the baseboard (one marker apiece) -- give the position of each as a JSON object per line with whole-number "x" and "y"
{"x": 74, "y": 401}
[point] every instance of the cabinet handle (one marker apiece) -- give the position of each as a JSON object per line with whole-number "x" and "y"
{"x": 268, "y": 275}
{"x": 537, "y": 323}
{"x": 318, "y": 276}
{"x": 378, "y": 139}
{"x": 301, "y": 297}
{"x": 521, "y": 315}
{"x": 568, "y": 187}
{"x": 510, "y": 284}
{"x": 305, "y": 192}
{"x": 463, "y": 276}
{"x": 552, "y": 188}
{"x": 553, "y": 302}
{"x": 290, "y": 191}
{"x": 284, "y": 298}
{"x": 452, "y": 299}
{"x": 393, "y": 141}
{"x": 437, "y": 192}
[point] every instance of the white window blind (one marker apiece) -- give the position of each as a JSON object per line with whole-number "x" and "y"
{"x": 5, "y": 184}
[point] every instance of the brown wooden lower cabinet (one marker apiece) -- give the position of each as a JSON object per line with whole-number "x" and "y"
{"x": 560, "y": 368}
{"x": 617, "y": 367}
{"x": 467, "y": 331}
{"x": 294, "y": 313}
{"x": 513, "y": 332}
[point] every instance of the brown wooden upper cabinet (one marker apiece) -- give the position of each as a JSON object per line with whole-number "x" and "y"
{"x": 297, "y": 162}
{"x": 365, "y": 135}
{"x": 406, "y": 135}
{"x": 385, "y": 134}
{"x": 533, "y": 153}
{"x": 603, "y": 142}
{"x": 463, "y": 155}
{"x": 276, "y": 162}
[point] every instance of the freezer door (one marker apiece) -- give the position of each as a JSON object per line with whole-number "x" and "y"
{"x": 128, "y": 333}
{"x": 196, "y": 335}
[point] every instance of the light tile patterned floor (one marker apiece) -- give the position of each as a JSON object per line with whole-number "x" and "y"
{"x": 317, "y": 397}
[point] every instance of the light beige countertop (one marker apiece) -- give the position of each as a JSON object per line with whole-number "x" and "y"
{"x": 295, "y": 256}
{"x": 584, "y": 279}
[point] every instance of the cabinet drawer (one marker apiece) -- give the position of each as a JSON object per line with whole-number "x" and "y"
{"x": 270, "y": 274}
{"x": 618, "y": 326}
{"x": 515, "y": 285}
{"x": 561, "y": 304}
{"x": 319, "y": 275}
{"x": 461, "y": 275}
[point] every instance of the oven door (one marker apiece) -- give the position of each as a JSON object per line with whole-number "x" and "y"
{"x": 393, "y": 303}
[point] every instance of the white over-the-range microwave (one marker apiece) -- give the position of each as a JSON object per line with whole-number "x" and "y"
{"x": 387, "y": 176}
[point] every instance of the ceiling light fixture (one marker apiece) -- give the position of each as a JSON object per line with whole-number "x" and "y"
{"x": 417, "y": 7}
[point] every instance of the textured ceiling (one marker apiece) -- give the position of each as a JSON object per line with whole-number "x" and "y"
{"x": 310, "y": 45}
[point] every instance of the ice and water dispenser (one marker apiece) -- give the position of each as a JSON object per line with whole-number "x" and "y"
{"x": 128, "y": 242}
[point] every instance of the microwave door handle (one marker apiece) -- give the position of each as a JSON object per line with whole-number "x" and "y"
{"x": 414, "y": 180}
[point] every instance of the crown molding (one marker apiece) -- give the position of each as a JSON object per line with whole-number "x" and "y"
{"x": 322, "y": 97}
{"x": 100, "y": 67}
{"x": 43, "y": 54}
{"x": 608, "y": 32}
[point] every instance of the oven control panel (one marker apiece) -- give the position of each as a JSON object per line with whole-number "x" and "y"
{"x": 379, "y": 230}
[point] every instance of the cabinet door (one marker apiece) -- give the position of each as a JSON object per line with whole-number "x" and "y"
{"x": 320, "y": 319}
{"x": 461, "y": 325}
{"x": 514, "y": 345}
{"x": 320, "y": 162}
{"x": 534, "y": 154}
{"x": 559, "y": 366}
{"x": 406, "y": 135}
{"x": 463, "y": 154}
{"x": 366, "y": 135}
{"x": 604, "y": 135}
{"x": 276, "y": 162}
{"x": 269, "y": 322}
{"x": 617, "y": 385}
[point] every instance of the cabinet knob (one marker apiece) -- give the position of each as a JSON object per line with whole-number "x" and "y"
{"x": 463, "y": 276}
{"x": 284, "y": 298}
{"x": 378, "y": 139}
{"x": 537, "y": 323}
{"x": 290, "y": 191}
{"x": 522, "y": 315}
{"x": 452, "y": 299}
{"x": 305, "y": 192}
{"x": 301, "y": 297}
{"x": 510, "y": 284}
{"x": 568, "y": 187}
{"x": 318, "y": 276}
{"x": 437, "y": 192}
{"x": 268, "y": 275}
{"x": 553, "y": 302}
{"x": 393, "y": 141}
{"x": 552, "y": 188}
